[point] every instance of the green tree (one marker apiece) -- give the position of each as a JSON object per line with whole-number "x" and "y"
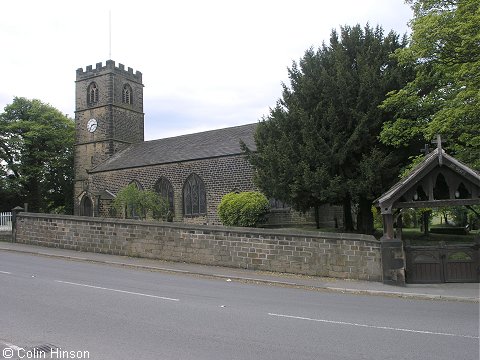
{"x": 36, "y": 156}
{"x": 319, "y": 144}
{"x": 444, "y": 96}
{"x": 132, "y": 202}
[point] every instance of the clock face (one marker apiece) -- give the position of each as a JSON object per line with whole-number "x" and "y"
{"x": 92, "y": 125}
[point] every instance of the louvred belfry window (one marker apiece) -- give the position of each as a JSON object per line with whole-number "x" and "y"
{"x": 92, "y": 94}
{"x": 127, "y": 94}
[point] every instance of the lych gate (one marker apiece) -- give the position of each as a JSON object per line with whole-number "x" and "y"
{"x": 438, "y": 181}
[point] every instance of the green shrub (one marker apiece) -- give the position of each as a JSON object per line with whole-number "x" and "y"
{"x": 377, "y": 218}
{"x": 243, "y": 209}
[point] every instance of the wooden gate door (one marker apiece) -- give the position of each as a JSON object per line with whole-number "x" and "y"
{"x": 462, "y": 263}
{"x": 442, "y": 263}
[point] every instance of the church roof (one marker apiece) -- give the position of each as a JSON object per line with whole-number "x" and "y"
{"x": 202, "y": 145}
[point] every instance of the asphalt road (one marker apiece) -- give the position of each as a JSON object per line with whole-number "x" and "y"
{"x": 107, "y": 312}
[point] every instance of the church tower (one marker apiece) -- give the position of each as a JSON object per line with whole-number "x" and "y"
{"x": 108, "y": 118}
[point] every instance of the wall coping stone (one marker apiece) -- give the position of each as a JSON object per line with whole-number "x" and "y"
{"x": 195, "y": 227}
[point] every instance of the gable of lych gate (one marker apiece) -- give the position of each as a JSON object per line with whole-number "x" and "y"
{"x": 439, "y": 180}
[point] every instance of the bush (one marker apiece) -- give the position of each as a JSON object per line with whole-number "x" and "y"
{"x": 135, "y": 203}
{"x": 243, "y": 209}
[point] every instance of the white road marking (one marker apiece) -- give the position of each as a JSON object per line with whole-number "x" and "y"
{"x": 5, "y": 272}
{"x": 373, "y": 326}
{"x": 116, "y": 290}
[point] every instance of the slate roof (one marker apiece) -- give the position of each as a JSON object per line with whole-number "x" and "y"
{"x": 202, "y": 145}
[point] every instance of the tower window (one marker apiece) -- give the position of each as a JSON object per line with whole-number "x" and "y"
{"x": 92, "y": 93}
{"x": 127, "y": 94}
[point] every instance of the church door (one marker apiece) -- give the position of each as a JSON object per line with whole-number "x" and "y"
{"x": 86, "y": 207}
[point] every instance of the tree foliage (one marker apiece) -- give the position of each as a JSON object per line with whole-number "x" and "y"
{"x": 319, "y": 144}
{"x": 243, "y": 209}
{"x": 135, "y": 203}
{"x": 36, "y": 156}
{"x": 444, "y": 96}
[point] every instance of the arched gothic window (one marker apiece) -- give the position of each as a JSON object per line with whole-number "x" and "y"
{"x": 132, "y": 209}
{"x": 127, "y": 94}
{"x": 92, "y": 93}
{"x": 137, "y": 184}
{"x": 165, "y": 189}
{"x": 194, "y": 196}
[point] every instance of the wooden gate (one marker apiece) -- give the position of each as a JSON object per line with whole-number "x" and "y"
{"x": 442, "y": 263}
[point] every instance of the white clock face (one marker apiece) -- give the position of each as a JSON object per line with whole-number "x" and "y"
{"x": 92, "y": 125}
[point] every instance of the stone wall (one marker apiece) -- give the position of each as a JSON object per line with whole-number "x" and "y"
{"x": 5, "y": 236}
{"x": 349, "y": 256}
{"x": 330, "y": 216}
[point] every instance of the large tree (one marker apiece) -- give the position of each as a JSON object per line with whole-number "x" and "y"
{"x": 36, "y": 156}
{"x": 319, "y": 144}
{"x": 444, "y": 96}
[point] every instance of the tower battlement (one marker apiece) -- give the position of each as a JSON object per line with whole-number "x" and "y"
{"x": 109, "y": 67}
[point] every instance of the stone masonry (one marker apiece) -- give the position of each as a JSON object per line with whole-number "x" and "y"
{"x": 119, "y": 124}
{"x": 349, "y": 256}
{"x": 220, "y": 176}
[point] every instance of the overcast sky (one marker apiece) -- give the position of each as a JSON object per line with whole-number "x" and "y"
{"x": 206, "y": 64}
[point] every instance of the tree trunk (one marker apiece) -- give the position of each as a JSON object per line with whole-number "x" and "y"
{"x": 33, "y": 197}
{"x": 425, "y": 220}
{"x": 317, "y": 216}
{"x": 347, "y": 214}
{"x": 365, "y": 217}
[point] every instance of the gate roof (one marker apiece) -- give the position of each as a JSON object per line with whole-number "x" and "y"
{"x": 417, "y": 189}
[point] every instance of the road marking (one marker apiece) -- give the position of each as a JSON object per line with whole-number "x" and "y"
{"x": 116, "y": 290}
{"x": 373, "y": 326}
{"x": 5, "y": 272}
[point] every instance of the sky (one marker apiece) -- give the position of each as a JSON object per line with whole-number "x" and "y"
{"x": 206, "y": 64}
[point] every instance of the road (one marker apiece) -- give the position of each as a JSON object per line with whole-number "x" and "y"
{"x": 108, "y": 312}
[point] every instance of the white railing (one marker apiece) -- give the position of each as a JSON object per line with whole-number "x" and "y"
{"x": 5, "y": 221}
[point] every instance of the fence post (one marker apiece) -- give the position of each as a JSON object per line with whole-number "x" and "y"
{"x": 15, "y": 212}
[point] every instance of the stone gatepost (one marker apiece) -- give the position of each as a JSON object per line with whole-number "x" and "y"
{"x": 393, "y": 255}
{"x": 15, "y": 211}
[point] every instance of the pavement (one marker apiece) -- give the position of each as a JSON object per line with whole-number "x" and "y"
{"x": 467, "y": 292}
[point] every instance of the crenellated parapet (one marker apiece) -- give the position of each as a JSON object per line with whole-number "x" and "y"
{"x": 109, "y": 67}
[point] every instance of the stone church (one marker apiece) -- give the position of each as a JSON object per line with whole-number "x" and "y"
{"x": 192, "y": 171}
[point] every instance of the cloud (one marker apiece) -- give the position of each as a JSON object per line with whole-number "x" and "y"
{"x": 205, "y": 64}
